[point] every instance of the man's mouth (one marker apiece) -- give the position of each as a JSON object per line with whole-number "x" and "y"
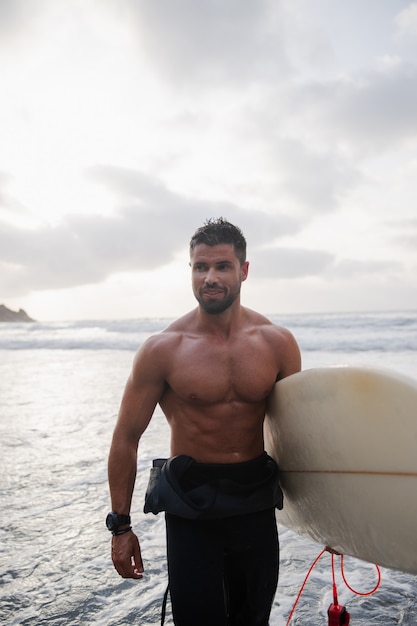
{"x": 213, "y": 292}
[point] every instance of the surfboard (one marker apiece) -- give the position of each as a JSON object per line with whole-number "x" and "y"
{"x": 345, "y": 439}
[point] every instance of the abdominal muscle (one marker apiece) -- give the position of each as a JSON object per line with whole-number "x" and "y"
{"x": 221, "y": 433}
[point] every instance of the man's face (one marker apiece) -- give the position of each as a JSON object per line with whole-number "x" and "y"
{"x": 216, "y": 276}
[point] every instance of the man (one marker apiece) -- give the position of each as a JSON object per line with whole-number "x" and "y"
{"x": 211, "y": 372}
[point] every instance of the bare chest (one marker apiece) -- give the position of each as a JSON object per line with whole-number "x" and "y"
{"x": 204, "y": 372}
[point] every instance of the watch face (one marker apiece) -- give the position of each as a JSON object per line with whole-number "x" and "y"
{"x": 111, "y": 521}
{"x": 114, "y": 521}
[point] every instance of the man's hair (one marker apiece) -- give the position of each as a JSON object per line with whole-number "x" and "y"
{"x": 218, "y": 231}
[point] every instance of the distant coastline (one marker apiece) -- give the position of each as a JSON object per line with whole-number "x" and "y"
{"x": 7, "y": 315}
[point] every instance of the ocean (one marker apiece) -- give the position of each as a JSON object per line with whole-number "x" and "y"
{"x": 60, "y": 389}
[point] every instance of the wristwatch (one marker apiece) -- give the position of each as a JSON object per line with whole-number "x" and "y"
{"x": 114, "y": 521}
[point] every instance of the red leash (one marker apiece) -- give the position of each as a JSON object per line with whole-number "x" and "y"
{"x": 337, "y": 614}
{"x": 304, "y": 584}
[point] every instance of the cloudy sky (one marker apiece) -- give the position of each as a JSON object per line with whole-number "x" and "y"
{"x": 124, "y": 124}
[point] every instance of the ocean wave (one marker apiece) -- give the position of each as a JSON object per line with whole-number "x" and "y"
{"x": 331, "y": 332}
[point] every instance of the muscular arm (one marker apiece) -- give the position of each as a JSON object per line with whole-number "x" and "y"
{"x": 143, "y": 390}
{"x": 290, "y": 355}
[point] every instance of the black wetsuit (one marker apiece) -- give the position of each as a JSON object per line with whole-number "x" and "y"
{"x": 223, "y": 572}
{"x": 222, "y": 547}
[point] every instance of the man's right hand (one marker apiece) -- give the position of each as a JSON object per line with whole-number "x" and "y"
{"x": 126, "y": 555}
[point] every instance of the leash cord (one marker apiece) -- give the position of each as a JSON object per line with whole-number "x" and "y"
{"x": 358, "y": 593}
{"x": 342, "y": 567}
{"x": 304, "y": 584}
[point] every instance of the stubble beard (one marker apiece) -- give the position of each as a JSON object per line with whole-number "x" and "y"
{"x": 216, "y": 307}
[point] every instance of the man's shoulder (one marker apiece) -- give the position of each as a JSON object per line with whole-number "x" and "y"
{"x": 270, "y": 330}
{"x": 170, "y": 337}
{"x": 283, "y": 343}
{"x": 181, "y": 324}
{"x": 258, "y": 320}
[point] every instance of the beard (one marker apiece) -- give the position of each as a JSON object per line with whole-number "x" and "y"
{"x": 215, "y": 306}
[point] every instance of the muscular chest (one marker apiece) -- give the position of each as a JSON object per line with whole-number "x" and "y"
{"x": 210, "y": 372}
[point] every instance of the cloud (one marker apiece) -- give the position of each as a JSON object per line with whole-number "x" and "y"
{"x": 403, "y": 233}
{"x": 209, "y": 41}
{"x": 406, "y": 24}
{"x": 261, "y": 104}
{"x": 317, "y": 180}
{"x": 373, "y": 111}
{"x": 183, "y": 214}
{"x": 311, "y": 175}
{"x": 293, "y": 263}
{"x": 289, "y": 263}
{"x": 151, "y": 227}
{"x": 10, "y": 207}
{"x": 17, "y": 17}
{"x": 352, "y": 268}
{"x": 11, "y": 13}
{"x": 4, "y": 180}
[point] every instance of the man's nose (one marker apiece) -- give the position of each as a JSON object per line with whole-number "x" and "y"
{"x": 211, "y": 276}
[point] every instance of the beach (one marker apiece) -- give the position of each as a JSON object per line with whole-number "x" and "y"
{"x": 60, "y": 389}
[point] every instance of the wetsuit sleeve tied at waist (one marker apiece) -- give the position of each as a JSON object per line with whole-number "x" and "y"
{"x": 183, "y": 487}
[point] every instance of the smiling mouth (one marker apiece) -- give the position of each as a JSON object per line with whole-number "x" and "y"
{"x": 213, "y": 293}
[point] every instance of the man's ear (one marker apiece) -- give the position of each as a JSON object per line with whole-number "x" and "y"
{"x": 245, "y": 270}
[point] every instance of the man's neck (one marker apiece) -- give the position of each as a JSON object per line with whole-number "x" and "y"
{"x": 221, "y": 324}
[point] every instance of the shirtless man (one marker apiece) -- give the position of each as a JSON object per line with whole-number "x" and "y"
{"x": 211, "y": 372}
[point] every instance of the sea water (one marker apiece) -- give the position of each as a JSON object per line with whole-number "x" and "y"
{"x": 60, "y": 389}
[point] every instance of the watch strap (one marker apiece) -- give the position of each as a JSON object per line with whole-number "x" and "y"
{"x": 122, "y": 531}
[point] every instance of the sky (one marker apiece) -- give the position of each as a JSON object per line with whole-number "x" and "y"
{"x": 125, "y": 124}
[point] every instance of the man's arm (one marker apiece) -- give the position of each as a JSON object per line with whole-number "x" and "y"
{"x": 143, "y": 390}
{"x": 290, "y": 355}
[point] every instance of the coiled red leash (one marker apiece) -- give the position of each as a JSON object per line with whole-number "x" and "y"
{"x": 337, "y": 614}
{"x": 358, "y": 593}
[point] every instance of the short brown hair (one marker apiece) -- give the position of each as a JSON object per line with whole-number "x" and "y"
{"x": 217, "y": 231}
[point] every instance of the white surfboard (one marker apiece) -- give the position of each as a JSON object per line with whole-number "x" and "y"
{"x": 346, "y": 442}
